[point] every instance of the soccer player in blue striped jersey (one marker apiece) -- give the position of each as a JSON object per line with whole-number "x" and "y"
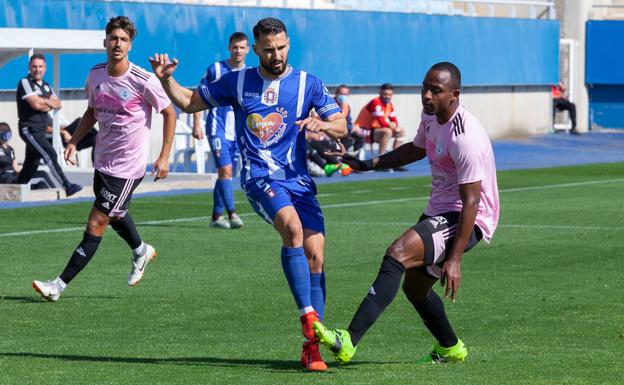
{"x": 221, "y": 135}
{"x": 272, "y": 103}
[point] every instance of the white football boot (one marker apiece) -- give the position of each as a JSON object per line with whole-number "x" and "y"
{"x": 50, "y": 290}
{"x": 139, "y": 263}
{"x": 220, "y": 223}
{"x": 236, "y": 222}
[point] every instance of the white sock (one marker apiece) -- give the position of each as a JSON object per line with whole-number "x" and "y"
{"x": 59, "y": 282}
{"x": 139, "y": 251}
{"x": 305, "y": 310}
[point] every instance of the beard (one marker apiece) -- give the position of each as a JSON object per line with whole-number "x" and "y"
{"x": 273, "y": 70}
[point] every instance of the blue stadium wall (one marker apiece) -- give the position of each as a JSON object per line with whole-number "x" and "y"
{"x": 357, "y": 48}
{"x": 603, "y": 73}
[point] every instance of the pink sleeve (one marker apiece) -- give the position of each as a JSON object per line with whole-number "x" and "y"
{"x": 155, "y": 94}
{"x": 420, "y": 138}
{"x": 90, "y": 96}
{"x": 467, "y": 155}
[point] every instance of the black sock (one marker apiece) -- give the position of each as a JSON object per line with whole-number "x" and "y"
{"x": 127, "y": 230}
{"x": 381, "y": 294}
{"x": 81, "y": 256}
{"x": 431, "y": 310}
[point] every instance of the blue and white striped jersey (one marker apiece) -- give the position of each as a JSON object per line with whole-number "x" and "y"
{"x": 220, "y": 119}
{"x": 271, "y": 145}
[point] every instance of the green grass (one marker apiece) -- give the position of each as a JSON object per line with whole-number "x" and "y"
{"x": 541, "y": 305}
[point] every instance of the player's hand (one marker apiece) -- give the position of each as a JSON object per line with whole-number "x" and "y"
{"x": 160, "y": 170}
{"x": 312, "y": 124}
{"x": 451, "y": 278}
{"x": 69, "y": 154}
{"x": 198, "y": 133}
{"x": 162, "y": 67}
{"x": 353, "y": 162}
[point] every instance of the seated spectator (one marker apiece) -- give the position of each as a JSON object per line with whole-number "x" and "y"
{"x": 353, "y": 141}
{"x": 9, "y": 169}
{"x": 66, "y": 133}
{"x": 561, "y": 103}
{"x": 378, "y": 119}
{"x": 318, "y": 146}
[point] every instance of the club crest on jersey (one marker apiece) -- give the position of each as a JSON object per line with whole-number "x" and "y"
{"x": 269, "y": 96}
{"x": 269, "y": 129}
{"x": 124, "y": 94}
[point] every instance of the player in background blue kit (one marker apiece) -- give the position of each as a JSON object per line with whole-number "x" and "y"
{"x": 221, "y": 135}
{"x": 271, "y": 104}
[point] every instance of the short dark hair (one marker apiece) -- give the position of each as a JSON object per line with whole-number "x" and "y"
{"x": 451, "y": 69}
{"x": 237, "y": 36}
{"x": 35, "y": 57}
{"x": 269, "y": 25}
{"x": 386, "y": 86}
{"x": 4, "y": 126}
{"x": 341, "y": 86}
{"x": 121, "y": 22}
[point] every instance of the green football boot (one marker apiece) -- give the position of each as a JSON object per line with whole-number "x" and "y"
{"x": 337, "y": 340}
{"x": 440, "y": 355}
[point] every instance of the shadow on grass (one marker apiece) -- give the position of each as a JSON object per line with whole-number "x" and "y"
{"x": 271, "y": 365}
{"x": 38, "y": 299}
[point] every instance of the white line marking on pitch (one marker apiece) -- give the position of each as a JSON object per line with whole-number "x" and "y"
{"x": 339, "y": 205}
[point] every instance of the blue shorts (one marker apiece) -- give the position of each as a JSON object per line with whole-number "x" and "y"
{"x": 223, "y": 150}
{"x": 268, "y": 196}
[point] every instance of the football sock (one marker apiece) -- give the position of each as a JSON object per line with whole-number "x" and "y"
{"x": 297, "y": 271}
{"x": 431, "y": 310}
{"x": 380, "y": 295}
{"x": 228, "y": 194}
{"x": 217, "y": 195}
{"x": 127, "y": 230}
{"x": 317, "y": 293}
{"x": 81, "y": 256}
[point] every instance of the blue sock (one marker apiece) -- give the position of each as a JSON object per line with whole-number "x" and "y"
{"x": 297, "y": 274}
{"x": 228, "y": 194}
{"x": 218, "y": 197}
{"x": 317, "y": 293}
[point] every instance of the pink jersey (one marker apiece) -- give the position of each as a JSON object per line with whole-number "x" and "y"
{"x": 460, "y": 152}
{"x": 123, "y": 109}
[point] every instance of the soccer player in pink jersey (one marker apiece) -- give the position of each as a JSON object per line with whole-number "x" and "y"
{"x": 121, "y": 98}
{"x": 462, "y": 210}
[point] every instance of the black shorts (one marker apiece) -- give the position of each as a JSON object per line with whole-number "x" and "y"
{"x": 438, "y": 234}
{"x": 112, "y": 194}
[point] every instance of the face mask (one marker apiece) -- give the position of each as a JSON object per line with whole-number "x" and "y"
{"x": 5, "y": 136}
{"x": 387, "y": 100}
{"x": 341, "y": 98}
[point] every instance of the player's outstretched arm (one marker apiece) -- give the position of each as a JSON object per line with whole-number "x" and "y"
{"x": 187, "y": 100}
{"x": 470, "y": 194}
{"x": 86, "y": 123}
{"x": 334, "y": 125}
{"x": 161, "y": 165}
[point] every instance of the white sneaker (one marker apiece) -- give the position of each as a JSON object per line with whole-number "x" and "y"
{"x": 220, "y": 223}
{"x": 139, "y": 264}
{"x": 49, "y": 290}
{"x": 236, "y": 222}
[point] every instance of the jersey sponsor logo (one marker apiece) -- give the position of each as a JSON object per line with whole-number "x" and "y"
{"x": 109, "y": 196}
{"x": 269, "y": 97}
{"x": 269, "y": 129}
{"x": 251, "y": 94}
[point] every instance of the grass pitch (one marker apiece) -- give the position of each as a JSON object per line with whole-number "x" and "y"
{"x": 541, "y": 305}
